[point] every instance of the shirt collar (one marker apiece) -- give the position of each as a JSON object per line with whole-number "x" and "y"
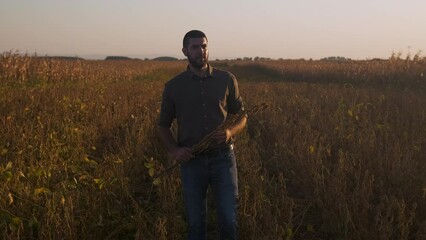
{"x": 191, "y": 74}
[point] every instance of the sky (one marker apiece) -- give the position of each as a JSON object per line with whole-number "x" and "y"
{"x": 289, "y": 29}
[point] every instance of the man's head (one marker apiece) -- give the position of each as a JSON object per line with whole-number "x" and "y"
{"x": 195, "y": 48}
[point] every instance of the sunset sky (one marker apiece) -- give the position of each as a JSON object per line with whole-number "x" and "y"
{"x": 269, "y": 28}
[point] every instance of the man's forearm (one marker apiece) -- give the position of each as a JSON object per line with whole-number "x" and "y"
{"x": 176, "y": 153}
{"x": 167, "y": 138}
{"x": 238, "y": 126}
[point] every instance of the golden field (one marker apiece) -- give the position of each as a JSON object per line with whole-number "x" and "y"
{"x": 339, "y": 154}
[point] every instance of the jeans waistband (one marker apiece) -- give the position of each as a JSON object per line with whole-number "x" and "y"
{"x": 218, "y": 150}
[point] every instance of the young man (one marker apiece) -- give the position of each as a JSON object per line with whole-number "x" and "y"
{"x": 200, "y": 99}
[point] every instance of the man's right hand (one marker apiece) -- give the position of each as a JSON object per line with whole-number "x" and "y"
{"x": 181, "y": 154}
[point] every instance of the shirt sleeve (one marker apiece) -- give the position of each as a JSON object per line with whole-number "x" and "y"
{"x": 235, "y": 102}
{"x": 167, "y": 111}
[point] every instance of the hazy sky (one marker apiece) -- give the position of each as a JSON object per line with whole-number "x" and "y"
{"x": 267, "y": 28}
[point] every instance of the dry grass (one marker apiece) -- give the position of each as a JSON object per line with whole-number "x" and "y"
{"x": 339, "y": 154}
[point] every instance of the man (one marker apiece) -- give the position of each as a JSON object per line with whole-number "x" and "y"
{"x": 200, "y": 99}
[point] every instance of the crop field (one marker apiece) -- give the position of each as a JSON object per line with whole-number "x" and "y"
{"x": 340, "y": 152}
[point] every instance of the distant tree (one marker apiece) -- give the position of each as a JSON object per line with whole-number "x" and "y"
{"x": 265, "y": 59}
{"x": 63, "y": 58}
{"x": 117, "y": 58}
{"x": 165, "y": 59}
{"x": 335, "y": 59}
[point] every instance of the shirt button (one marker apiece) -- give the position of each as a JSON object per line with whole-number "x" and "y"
{"x": 202, "y": 93}
{"x": 204, "y": 104}
{"x": 205, "y": 116}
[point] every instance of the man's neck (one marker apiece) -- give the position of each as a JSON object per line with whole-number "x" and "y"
{"x": 200, "y": 72}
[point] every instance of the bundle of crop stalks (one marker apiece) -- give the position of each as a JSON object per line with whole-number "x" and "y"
{"x": 208, "y": 141}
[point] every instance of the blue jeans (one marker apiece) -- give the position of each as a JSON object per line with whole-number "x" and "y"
{"x": 219, "y": 171}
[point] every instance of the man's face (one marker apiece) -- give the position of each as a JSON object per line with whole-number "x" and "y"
{"x": 196, "y": 52}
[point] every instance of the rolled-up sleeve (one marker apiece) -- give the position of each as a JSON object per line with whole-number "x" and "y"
{"x": 168, "y": 110}
{"x": 235, "y": 101}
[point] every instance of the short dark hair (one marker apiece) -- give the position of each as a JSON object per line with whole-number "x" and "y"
{"x": 192, "y": 34}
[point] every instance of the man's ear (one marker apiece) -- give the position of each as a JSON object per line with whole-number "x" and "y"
{"x": 185, "y": 52}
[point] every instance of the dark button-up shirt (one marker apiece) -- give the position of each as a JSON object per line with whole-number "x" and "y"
{"x": 199, "y": 105}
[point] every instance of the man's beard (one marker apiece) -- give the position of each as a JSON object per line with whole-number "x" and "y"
{"x": 198, "y": 62}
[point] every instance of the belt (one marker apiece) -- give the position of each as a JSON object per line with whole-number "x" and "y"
{"x": 218, "y": 150}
